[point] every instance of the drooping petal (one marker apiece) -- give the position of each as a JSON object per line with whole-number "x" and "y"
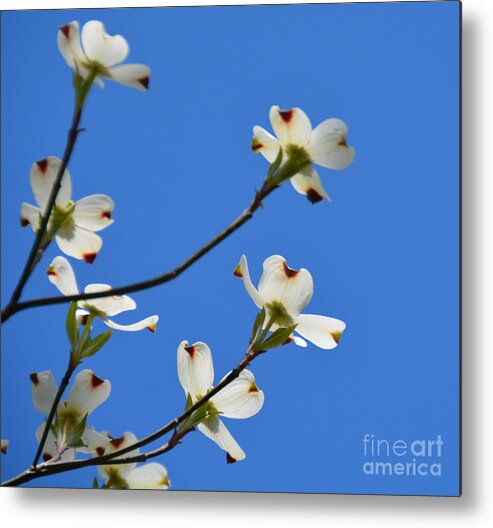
{"x": 30, "y": 215}
{"x": 324, "y": 332}
{"x": 111, "y": 305}
{"x": 307, "y": 182}
{"x": 50, "y": 448}
{"x": 214, "y": 429}
{"x": 87, "y": 393}
{"x": 195, "y": 368}
{"x": 241, "y": 398}
{"x": 44, "y": 390}
{"x": 148, "y": 476}
{"x": 265, "y": 143}
{"x": 328, "y": 145}
{"x": 292, "y": 127}
{"x": 68, "y": 40}
{"x": 105, "y": 49}
{"x": 81, "y": 316}
{"x": 243, "y": 272}
{"x": 42, "y": 176}
{"x": 93, "y": 212}
{"x": 292, "y": 288}
{"x": 116, "y": 444}
{"x": 133, "y": 75}
{"x": 149, "y": 323}
{"x": 61, "y": 274}
{"x": 77, "y": 242}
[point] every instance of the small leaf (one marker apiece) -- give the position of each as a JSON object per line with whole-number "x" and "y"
{"x": 189, "y": 402}
{"x": 94, "y": 345}
{"x": 277, "y": 338}
{"x": 72, "y": 328}
{"x": 257, "y": 325}
{"x": 95, "y": 483}
{"x": 275, "y": 165}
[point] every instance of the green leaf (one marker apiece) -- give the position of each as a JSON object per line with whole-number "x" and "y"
{"x": 74, "y": 438}
{"x": 277, "y": 338}
{"x": 257, "y": 325}
{"x": 95, "y": 483}
{"x": 72, "y": 328}
{"x": 94, "y": 345}
{"x": 189, "y": 402}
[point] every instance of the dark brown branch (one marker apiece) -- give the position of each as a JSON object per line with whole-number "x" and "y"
{"x": 47, "y": 469}
{"x": 156, "y": 281}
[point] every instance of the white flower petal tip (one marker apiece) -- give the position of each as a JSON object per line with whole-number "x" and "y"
{"x": 149, "y": 476}
{"x": 238, "y": 272}
{"x": 230, "y": 459}
{"x": 4, "y": 446}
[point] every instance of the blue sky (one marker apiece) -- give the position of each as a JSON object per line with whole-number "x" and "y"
{"x": 177, "y": 162}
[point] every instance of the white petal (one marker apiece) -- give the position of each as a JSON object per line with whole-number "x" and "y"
{"x": 322, "y": 331}
{"x": 195, "y": 368}
{"x": 243, "y": 272}
{"x": 68, "y": 40}
{"x": 93, "y": 212}
{"x": 148, "y": 323}
{"x": 30, "y": 215}
{"x": 241, "y": 398}
{"x": 61, "y": 274}
{"x": 298, "y": 341}
{"x": 116, "y": 444}
{"x": 103, "y": 48}
{"x": 44, "y": 390}
{"x": 328, "y": 145}
{"x": 78, "y": 243}
{"x": 111, "y": 305}
{"x": 308, "y": 182}
{"x": 148, "y": 476}
{"x": 292, "y": 126}
{"x": 87, "y": 393}
{"x": 292, "y": 288}
{"x": 265, "y": 143}
{"x": 42, "y": 176}
{"x": 133, "y": 75}
{"x": 214, "y": 429}
{"x": 95, "y": 443}
{"x": 50, "y": 448}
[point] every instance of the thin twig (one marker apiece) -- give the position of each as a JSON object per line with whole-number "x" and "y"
{"x": 44, "y": 470}
{"x": 38, "y": 247}
{"x": 156, "y": 281}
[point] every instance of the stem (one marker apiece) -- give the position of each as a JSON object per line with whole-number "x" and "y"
{"x": 61, "y": 389}
{"x": 38, "y": 246}
{"x": 60, "y": 467}
{"x": 156, "y": 281}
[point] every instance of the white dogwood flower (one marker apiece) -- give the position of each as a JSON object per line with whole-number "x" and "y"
{"x": 4, "y": 445}
{"x": 76, "y": 223}
{"x": 284, "y": 293}
{"x": 94, "y": 49}
{"x": 126, "y": 476}
{"x": 325, "y": 145}
{"x": 61, "y": 274}
{"x": 240, "y": 399}
{"x": 86, "y": 394}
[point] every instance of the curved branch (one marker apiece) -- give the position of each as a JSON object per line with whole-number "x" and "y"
{"x": 47, "y": 469}
{"x": 156, "y": 281}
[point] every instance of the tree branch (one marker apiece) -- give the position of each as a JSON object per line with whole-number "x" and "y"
{"x": 47, "y": 469}
{"x": 156, "y": 281}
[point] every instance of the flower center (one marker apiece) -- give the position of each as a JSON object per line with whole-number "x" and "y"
{"x": 279, "y": 313}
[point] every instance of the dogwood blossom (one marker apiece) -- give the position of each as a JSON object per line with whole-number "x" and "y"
{"x": 93, "y": 49}
{"x": 61, "y": 274}
{"x": 325, "y": 145}
{"x": 284, "y": 293}
{"x": 126, "y": 476}
{"x": 240, "y": 399}
{"x": 75, "y": 223}
{"x": 87, "y": 393}
{"x": 4, "y": 445}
